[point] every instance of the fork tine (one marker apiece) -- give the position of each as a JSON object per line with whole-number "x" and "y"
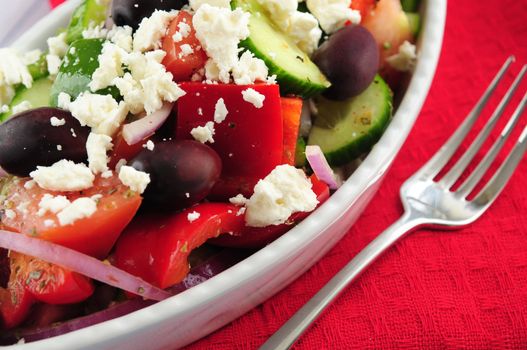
{"x": 471, "y": 182}
{"x": 441, "y": 158}
{"x": 493, "y": 188}
{"x": 453, "y": 174}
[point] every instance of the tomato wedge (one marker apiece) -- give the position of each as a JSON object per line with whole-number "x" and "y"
{"x": 50, "y": 283}
{"x": 15, "y": 302}
{"x": 185, "y": 55}
{"x": 94, "y": 236}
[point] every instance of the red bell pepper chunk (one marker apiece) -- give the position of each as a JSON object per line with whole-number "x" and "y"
{"x": 291, "y": 113}
{"x": 255, "y": 237}
{"x": 156, "y": 247}
{"x": 249, "y": 141}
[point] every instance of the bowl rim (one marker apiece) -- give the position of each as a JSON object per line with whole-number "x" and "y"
{"x": 297, "y": 239}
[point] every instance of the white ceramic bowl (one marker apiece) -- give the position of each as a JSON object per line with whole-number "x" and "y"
{"x": 199, "y": 311}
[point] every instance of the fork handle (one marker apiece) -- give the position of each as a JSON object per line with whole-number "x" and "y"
{"x": 304, "y": 317}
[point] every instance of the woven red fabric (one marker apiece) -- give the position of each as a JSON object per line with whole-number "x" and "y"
{"x": 464, "y": 289}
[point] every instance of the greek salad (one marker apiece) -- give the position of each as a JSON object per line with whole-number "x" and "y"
{"x": 150, "y": 133}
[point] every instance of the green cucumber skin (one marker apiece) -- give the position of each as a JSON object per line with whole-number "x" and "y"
{"x": 300, "y": 153}
{"x": 77, "y": 69}
{"x": 37, "y": 95}
{"x": 415, "y": 23}
{"x": 410, "y": 5}
{"x": 289, "y": 83}
{"x": 352, "y": 149}
{"x": 39, "y": 69}
{"x": 87, "y": 12}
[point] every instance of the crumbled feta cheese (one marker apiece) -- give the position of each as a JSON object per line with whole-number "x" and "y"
{"x": 73, "y": 132}
{"x": 64, "y": 175}
{"x": 205, "y": 133}
{"x": 151, "y": 30}
{"x": 110, "y": 66}
{"x": 120, "y": 164}
{"x": 10, "y": 214}
{"x": 22, "y": 208}
{"x": 254, "y": 97}
{"x": 220, "y": 111}
{"x": 271, "y": 79}
{"x": 333, "y": 14}
{"x": 239, "y": 200}
{"x": 95, "y": 32}
{"x": 31, "y": 57}
{"x": 241, "y": 211}
{"x": 220, "y": 30}
{"x": 21, "y": 107}
{"x": 97, "y": 146}
{"x": 49, "y": 223}
{"x": 304, "y": 30}
{"x": 80, "y": 208}
{"x": 135, "y": 179}
{"x": 64, "y": 101}
{"x": 249, "y": 69}
{"x": 196, "y": 4}
{"x": 405, "y": 59}
{"x": 148, "y": 84}
{"x": 4, "y": 109}
{"x": 286, "y": 190}
{"x": 193, "y": 216}
{"x": 13, "y": 71}
{"x": 53, "y": 62}
{"x": 107, "y": 174}
{"x": 100, "y": 112}
{"x": 52, "y": 204}
{"x": 59, "y": 147}
{"x": 149, "y": 145}
{"x": 186, "y": 50}
{"x": 184, "y": 29}
{"x": 57, "y": 45}
{"x": 122, "y": 37}
{"x": 56, "y": 121}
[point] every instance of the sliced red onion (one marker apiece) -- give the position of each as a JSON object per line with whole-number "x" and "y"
{"x": 81, "y": 263}
{"x": 210, "y": 268}
{"x": 320, "y": 166}
{"x": 139, "y": 130}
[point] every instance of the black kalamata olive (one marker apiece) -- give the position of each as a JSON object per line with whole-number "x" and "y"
{"x": 28, "y": 139}
{"x": 350, "y": 60}
{"x": 182, "y": 173}
{"x": 132, "y": 12}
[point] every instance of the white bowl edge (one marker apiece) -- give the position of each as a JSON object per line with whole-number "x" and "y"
{"x": 190, "y": 305}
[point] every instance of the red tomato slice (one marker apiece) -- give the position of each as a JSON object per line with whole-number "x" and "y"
{"x": 256, "y": 237}
{"x": 50, "y": 283}
{"x": 15, "y": 302}
{"x": 291, "y": 112}
{"x": 95, "y": 235}
{"x": 156, "y": 247}
{"x": 249, "y": 141}
{"x": 183, "y": 64}
{"x": 122, "y": 150}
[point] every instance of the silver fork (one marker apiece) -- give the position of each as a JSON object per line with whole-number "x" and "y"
{"x": 429, "y": 202}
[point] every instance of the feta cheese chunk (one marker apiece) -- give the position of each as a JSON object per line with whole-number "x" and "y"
{"x": 151, "y": 30}
{"x": 405, "y": 59}
{"x": 122, "y": 37}
{"x": 220, "y": 30}
{"x": 80, "y": 208}
{"x": 254, "y": 97}
{"x": 110, "y": 66}
{"x": 53, "y": 204}
{"x": 13, "y": 71}
{"x": 220, "y": 111}
{"x": 57, "y": 122}
{"x": 333, "y": 14}
{"x": 22, "y": 107}
{"x": 249, "y": 69}
{"x": 64, "y": 175}
{"x": 135, "y": 179}
{"x": 191, "y": 217}
{"x": 97, "y": 146}
{"x": 304, "y": 30}
{"x": 100, "y": 112}
{"x": 285, "y": 191}
{"x": 205, "y": 133}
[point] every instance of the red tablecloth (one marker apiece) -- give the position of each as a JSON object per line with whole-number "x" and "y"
{"x": 462, "y": 289}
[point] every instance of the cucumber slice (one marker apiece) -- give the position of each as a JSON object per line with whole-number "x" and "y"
{"x": 296, "y": 73}
{"x": 77, "y": 69}
{"x": 346, "y": 129}
{"x": 415, "y": 23}
{"x": 89, "y": 12}
{"x": 37, "y": 95}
